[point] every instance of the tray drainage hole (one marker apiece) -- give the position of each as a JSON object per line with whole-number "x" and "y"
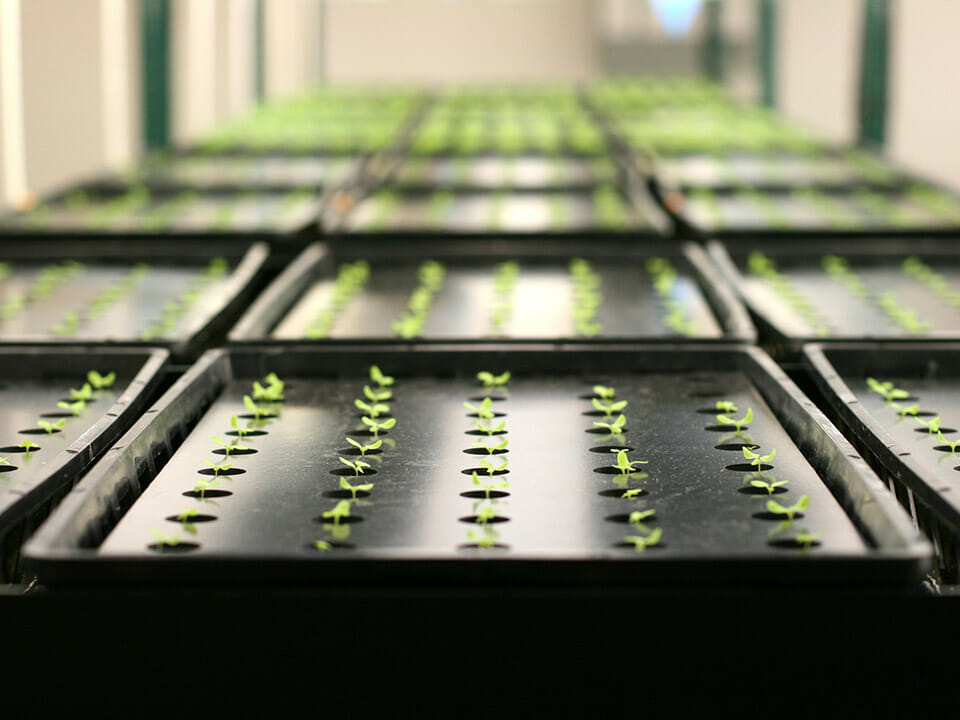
{"x": 222, "y": 473}
{"x": 263, "y": 416}
{"x": 246, "y": 433}
{"x": 193, "y": 518}
{"x": 333, "y": 546}
{"x": 481, "y": 398}
{"x": 223, "y": 451}
{"x": 618, "y": 493}
{"x": 607, "y": 449}
{"x": 57, "y": 415}
{"x": 705, "y": 394}
{"x": 747, "y": 467}
{"x": 938, "y": 448}
{"x": 496, "y": 415}
{"x": 178, "y": 549}
{"x": 347, "y": 472}
{"x": 481, "y": 433}
{"x": 725, "y": 428}
{"x": 38, "y": 431}
{"x": 345, "y": 494}
{"x": 775, "y": 517}
{"x": 473, "y": 547}
{"x": 365, "y": 432}
{"x": 208, "y": 494}
{"x": 491, "y": 521}
{"x": 736, "y": 446}
{"x": 945, "y": 431}
{"x": 610, "y": 470}
{"x": 355, "y": 451}
{"x": 380, "y": 418}
{"x": 482, "y": 495}
{"x": 599, "y": 413}
{"x": 792, "y": 544}
{"x": 348, "y": 520}
{"x": 7, "y": 468}
{"x": 625, "y": 519}
{"x": 922, "y": 413}
{"x": 604, "y": 431}
{"x": 631, "y": 546}
{"x": 17, "y": 449}
{"x": 481, "y": 451}
{"x": 751, "y": 490}
{"x": 709, "y": 411}
{"x": 482, "y": 472}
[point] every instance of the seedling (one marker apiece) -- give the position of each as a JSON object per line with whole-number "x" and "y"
{"x": 486, "y": 540}
{"x": 376, "y": 427}
{"x": 241, "y": 431}
{"x": 631, "y": 494}
{"x": 609, "y": 408}
{"x": 376, "y": 396}
{"x": 322, "y": 545}
{"x": 373, "y": 410}
{"x": 912, "y": 410}
{"x": 625, "y": 466}
{"x": 604, "y": 393}
{"x": 951, "y": 445}
{"x": 726, "y": 407}
{"x": 345, "y": 484}
{"x": 614, "y": 428}
{"x": 486, "y": 514}
{"x": 28, "y": 446}
{"x": 340, "y": 510}
{"x": 489, "y": 380}
{"x": 84, "y": 394}
{"x": 74, "y": 407}
{"x": 770, "y": 486}
{"x": 357, "y": 466}
{"x": 485, "y": 410}
{"x": 491, "y": 449}
{"x": 641, "y": 542}
{"x": 259, "y": 411}
{"x": 203, "y": 485}
{"x": 52, "y": 427}
{"x": 487, "y": 489}
{"x": 738, "y": 424}
{"x": 887, "y": 390}
{"x": 932, "y": 425}
{"x": 777, "y": 509}
{"x": 163, "y": 541}
{"x": 756, "y": 459}
{"x": 229, "y": 447}
{"x": 638, "y": 516}
{"x": 491, "y": 430}
{"x": 488, "y": 466}
{"x": 364, "y": 449}
{"x": 187, "y": 515}
{"x": 4, "y": 461}
{"x": 218, "y": 469}
{"x": 269, "y": 393}
{"x": 807, "y": 538}
{"x": 381, "y": 380}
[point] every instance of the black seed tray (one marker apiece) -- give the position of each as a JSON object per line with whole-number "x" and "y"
{"x": 541, "y": 299}
{"x": 805, "y": 211}
{"x": 838, "y": 309}
{"x": 34, "y": 381}
{"x": 918, "y": 467}
{"x": 141, "y": 312}
{"x": 558, "y": 520}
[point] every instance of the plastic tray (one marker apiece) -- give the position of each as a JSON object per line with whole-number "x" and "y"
{"x": 541, "y": 298}
{"x": 841, "y": 310}
{"x": 915, "y": 464}
{"x": 35, "y": 379}
{"x": 172, "y": 269}
{"x": 562, "y": 522}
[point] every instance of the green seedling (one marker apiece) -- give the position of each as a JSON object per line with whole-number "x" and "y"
{"x": 163, "y": 541}
{"x": 631, "y": 494}
{"x": 932, "y": 425}
{"x": 638, "y": 516}
{"x": 726, "y": 407}
{"x": 373, "y": 410}
{"x": 381, "y": 380}
{"x": 807, "y": 538}
{"x": 756, "y": 459}
{"x": 912, "y": 410}
{"x": 322, "y": 545}
{"x": 376, "y": 396}
{"x": 235, "y": 424}
{"x": 609, "y": 408}
{"x": 485, "y": 514}
{"x": 84, "y": 394}
{"x": 74, "y": 407}
{"x": 487, "y": 489}
{"x": 951, "y": 445}
{"x": 28, "y": 446}
{"x": 604, "y": 393}
{"x": 491, "y": 430}
{"x": 738, "y": 424}
{"x": 218, "y": 468}
{"x": 4, "y": 461}
{"x": 489, "y": 380}
{"x": 376, "y": 427}
{"x": 641, "y": 542}
{"x": 229, "y": 447}
{"x": 340, "y": 510}
{"x": 364, "y": 449}
{"x": 485, "y": 410}
{"x": 777, "y": 509}
{"x": 887, "y": 389}
{"x": 268, "y": 393}
{"x": 52, "y": 427}
{"x": 484, "y": 540}
{"x": 187, "y": 515}
{"x": 345, "y": 484}
{"x": 203, "y": 486}
{"x": 358, "y": 466}
{"x": 624, "y": 465}
{"x": 488, "y": 466}
{"x": 770, "y": 486}
{"x": 614, "y": 428}
{"x": 259, "y": 411}
{"x": 491, "y": 449}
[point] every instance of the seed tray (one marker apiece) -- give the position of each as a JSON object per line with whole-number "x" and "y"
{"x": 36, "y": 382}
{"x": 139, "y": 211}
{"x": 806, "y": 211}
{"x": 106, "y": 292}
{"x": 558, "y": 520}
{"x": 471, "y": 135}
{"x": 917, "y": 466}
{"x": 607, "y": 210}
{"x": 853, "y": 290}
{"x": 538, "y": 303}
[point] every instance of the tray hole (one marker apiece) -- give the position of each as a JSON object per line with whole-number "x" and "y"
{"x": 607, "y": 449}
{"x": 625, "y": 519}
{"x": 599, "y": 413}
{"x": 246, "y": 433}
{"x": 626, "y": 545}
{"x": 725, "y": 428}
{"x": 773, "y": 516}
{"x": 481, "y": 495}
{"x": 925, "y": 431}
{"x": 792, "y": 544}
{"x": 482, "y": 472}
{"x": 222, "y": 473}
{"x": 603, "y": 431}
{"x": 487, "y": 548}
{"x": 481, "y": 433}
{"x": 736, "y": 447}
{"x": 704, "y": 394}
{"x": 618, "y": 493}
{"x": 345, "y": 494}
{"x": 610, "y": 470}
{"x": 263, "y": 416}
{"x": 333, "y": 546}
{"x": 481, "y": 398}
{"x": 747, "y": 467}
{"x": 354, "y": 451}
{"x": 347, "y": 472}
{"x": 38, "y": 431}
{"x": 7, "y": 468}
{"x": 481, "y": 451}
{"x": 208, "y": 494}
{"x": 939, "y": 448}
{"x": 380, "y": 418}
{"x": 178, "y": 549}
{"x": 472, "y": 519}
{"x": 496, "y": 415}
{"x": 751, "y": 490}
{"x": 17, "y": 449}
{"x": 348, "y": 520}
{"x": 709, "y": 411}
{"x": 904, "y": 454}
{"x": 57, "y": 415}
{"x": 922, "y": 413}
{"x": 364, "y": 432}
{"x": 222, "y": 451}
{"x": 193, "y": 519}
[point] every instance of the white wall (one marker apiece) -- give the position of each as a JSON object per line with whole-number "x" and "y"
{"x": 292, "y": 40}
{"x": 440, "y": 42}
{"x": 818, "y": 61}
{"x": 924, "y": 102}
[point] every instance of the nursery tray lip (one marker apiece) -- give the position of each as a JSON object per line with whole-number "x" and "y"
{"x": 724, "y": 305}
{"x": 894, "y": 549}
{"x": 250, "y": 264}
{"x": 722, "y": 253}
{"x": 844, "y": 402}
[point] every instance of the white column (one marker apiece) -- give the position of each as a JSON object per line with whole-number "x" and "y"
{"x": 11, "y": 104}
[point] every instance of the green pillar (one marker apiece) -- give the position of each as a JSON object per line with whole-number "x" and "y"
{"x": 872, "y": 106}
{"x": 767, "y": 24}
{"x": 259, "y": 55}
{"x": 713, "y": 41}
{"x": 155, "y": 32}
